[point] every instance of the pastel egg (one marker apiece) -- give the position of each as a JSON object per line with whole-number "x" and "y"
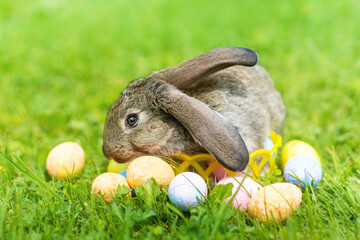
{"x": 187, "y": 190}
{"x": 268, "y": 145}
{"x": 243, "y": 189}
{"x": 275, "y": 202}
{"x": 302, "y": 169}
{"x": 107, "y": 184}
{"x": 296, "y": 147}
{"x": 220, "y": 172}
{"x": 117, "y": 167}
{"x": 123, "y": 173}
{"x": 65, "y": 159}
{"x": 146, "y": 167}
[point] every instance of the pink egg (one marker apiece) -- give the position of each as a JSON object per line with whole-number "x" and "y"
{"x": 243, "y": 195}
{"x": 220, "y": 173}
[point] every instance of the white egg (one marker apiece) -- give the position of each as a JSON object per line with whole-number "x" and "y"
{"x": 303, "y": 169}
{"x": 187, "y": 190}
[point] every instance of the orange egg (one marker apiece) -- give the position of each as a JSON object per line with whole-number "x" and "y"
{"x": 65, "y": 159}
{"x": 275, "y": 202}
{"x": 107, "y": 184}
{"x": 146, "y": 167}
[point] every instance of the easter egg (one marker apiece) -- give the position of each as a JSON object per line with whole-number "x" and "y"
{"x": 296, "y": 147}
{"x": 243, "y": 189}
{"x": 65, "y": 159}
{"x": 302, "y": 169}
{"x": 220, "y": 172}
{"x": 107, "y": 184}
{"x": 146, "y": 167}
{"x": 275, "y": 202}
{"x": 187, "y": 190}
{"x": 117, "y": 167}
{"x": 268, "y": 145}
{"x": 123, "y": 173}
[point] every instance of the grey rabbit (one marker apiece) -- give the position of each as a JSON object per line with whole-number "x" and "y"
{"x": 218, "y": 102}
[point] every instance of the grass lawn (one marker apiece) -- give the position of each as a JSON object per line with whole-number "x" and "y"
{"x": 63, "y": 63}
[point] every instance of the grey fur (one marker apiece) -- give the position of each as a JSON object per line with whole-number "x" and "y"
{"x": 242, "y": 105}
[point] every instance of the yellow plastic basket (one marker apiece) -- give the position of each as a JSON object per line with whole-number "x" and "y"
{"x": 257, "y": 160}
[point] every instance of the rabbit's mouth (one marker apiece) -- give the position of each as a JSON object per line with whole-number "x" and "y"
{"x": 122, "y": 160}
{"x": 120, "y": 156}
{"x": 125, "y": 159}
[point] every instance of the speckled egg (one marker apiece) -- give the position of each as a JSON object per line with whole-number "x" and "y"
{"x": 107, "y": 184}
{"x": 296, "y": 147}
{"x": 275, "y": 202}
{"x": 303, "y": 169}
{"x": 248, "y": 188}
{"x": 117, "y": 167}
{"x": 146, "y": 167}
{"x": 187, "y": 190}
{"x": 65, "y": 159}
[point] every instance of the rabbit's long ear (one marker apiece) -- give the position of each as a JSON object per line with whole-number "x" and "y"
{"x": 194, "y": 70}
{"x": 208, "y": 128}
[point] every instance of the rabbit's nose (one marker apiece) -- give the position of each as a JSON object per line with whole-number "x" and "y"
{"x": 107, "y": 152}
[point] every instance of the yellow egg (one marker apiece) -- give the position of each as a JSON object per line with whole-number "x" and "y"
{"x": 107, "y": 184}
{"x": 296, "y": 147}
{"x": 275, "y": 202}
{"x": 143, "y": 168}
{"x": 65, "y": 159}
{"x": 117, "y": 167}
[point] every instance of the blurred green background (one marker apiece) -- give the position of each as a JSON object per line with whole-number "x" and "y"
{"x": 63, "y": 63}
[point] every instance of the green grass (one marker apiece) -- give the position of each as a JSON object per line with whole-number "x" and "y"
{"x": 62, "y": 64}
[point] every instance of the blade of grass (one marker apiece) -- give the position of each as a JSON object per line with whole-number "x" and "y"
{"x": 30, "y": 174}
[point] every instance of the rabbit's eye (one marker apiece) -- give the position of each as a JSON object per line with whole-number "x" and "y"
{"x": 131, "y": 120}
